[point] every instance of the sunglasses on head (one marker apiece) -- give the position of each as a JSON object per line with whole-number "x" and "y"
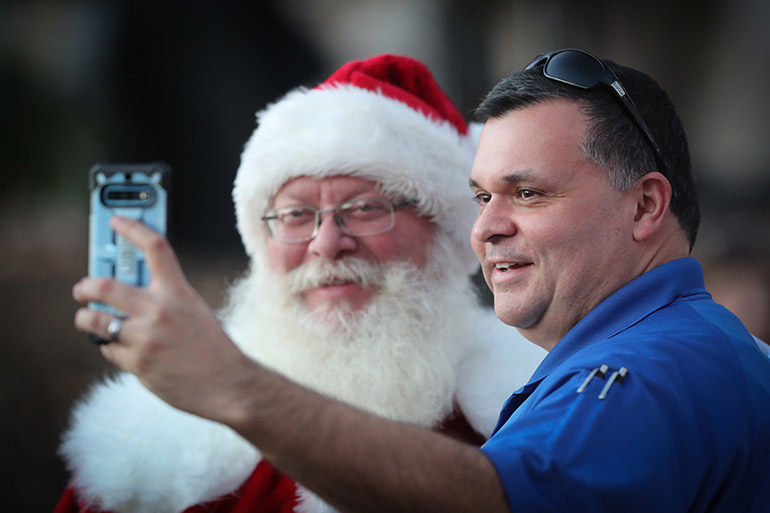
{"x": 581, "y": 69}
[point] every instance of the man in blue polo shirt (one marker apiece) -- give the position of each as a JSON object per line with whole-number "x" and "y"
{"x": 652, "y": 396}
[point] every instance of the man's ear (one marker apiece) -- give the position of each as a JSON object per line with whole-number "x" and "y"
{"x": 653, "y": 196}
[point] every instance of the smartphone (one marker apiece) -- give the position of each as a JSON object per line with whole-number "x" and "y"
{"x": 137, "y": 191}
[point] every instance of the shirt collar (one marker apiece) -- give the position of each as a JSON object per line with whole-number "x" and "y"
{"x": 625, "y": 307}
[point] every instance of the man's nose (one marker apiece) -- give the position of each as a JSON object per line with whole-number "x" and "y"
{"x": 330, "y": 241}
{"x": 493, "y": 222}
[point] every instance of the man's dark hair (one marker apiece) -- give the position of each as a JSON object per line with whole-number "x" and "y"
{"x": 613, "y": 139}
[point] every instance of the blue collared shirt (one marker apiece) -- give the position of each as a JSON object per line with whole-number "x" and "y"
{"x": 684, "y": 428}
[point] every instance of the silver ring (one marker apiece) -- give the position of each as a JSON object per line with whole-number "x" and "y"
{"x": 113, "y": 330}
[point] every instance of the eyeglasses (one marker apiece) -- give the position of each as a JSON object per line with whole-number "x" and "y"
{"x": 357, "y": 217}
{"x": 584, "y": 70}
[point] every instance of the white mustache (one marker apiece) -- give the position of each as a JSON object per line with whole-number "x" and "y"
{"x": 324, "y": 272}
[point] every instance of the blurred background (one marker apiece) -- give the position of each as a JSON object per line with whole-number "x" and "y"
{"x": 180, "y": 81}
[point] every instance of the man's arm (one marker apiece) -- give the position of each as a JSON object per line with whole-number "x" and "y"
{"x": 355, "y": 461}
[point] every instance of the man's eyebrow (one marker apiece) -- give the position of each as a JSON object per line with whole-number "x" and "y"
{"x": 515, "y": 177}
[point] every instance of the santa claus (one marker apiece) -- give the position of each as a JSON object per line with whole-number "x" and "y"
{"x": 353, "y": 206}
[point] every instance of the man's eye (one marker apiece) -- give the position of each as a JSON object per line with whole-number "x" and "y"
{"x": 298, "y": 213}
{"x": 482, "y": 198}
{"x": 295, "y": 215}
{"x": 365, "y": 209}
{"x": 526, "y": 193}
{"x": 365, "y": 206}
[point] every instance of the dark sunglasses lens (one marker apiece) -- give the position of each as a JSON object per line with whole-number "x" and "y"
{"x": 575, "y": 68}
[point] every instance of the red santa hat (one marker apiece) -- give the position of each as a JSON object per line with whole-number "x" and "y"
{"x": 384, "y": 119}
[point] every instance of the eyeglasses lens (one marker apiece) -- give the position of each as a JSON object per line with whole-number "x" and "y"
{"x": 366, "y": 216}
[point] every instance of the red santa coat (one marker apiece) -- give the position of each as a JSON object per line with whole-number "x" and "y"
{"x": 129, "y": 449}
{"x": 265, "y": 491}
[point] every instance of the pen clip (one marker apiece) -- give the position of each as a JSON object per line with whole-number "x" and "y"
{"x": 599, "y": 371}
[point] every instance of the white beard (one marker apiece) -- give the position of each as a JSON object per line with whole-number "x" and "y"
{"x": 396, "y": 358}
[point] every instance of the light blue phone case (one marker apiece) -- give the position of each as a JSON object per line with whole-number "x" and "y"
{"x": 136, "y": 191}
